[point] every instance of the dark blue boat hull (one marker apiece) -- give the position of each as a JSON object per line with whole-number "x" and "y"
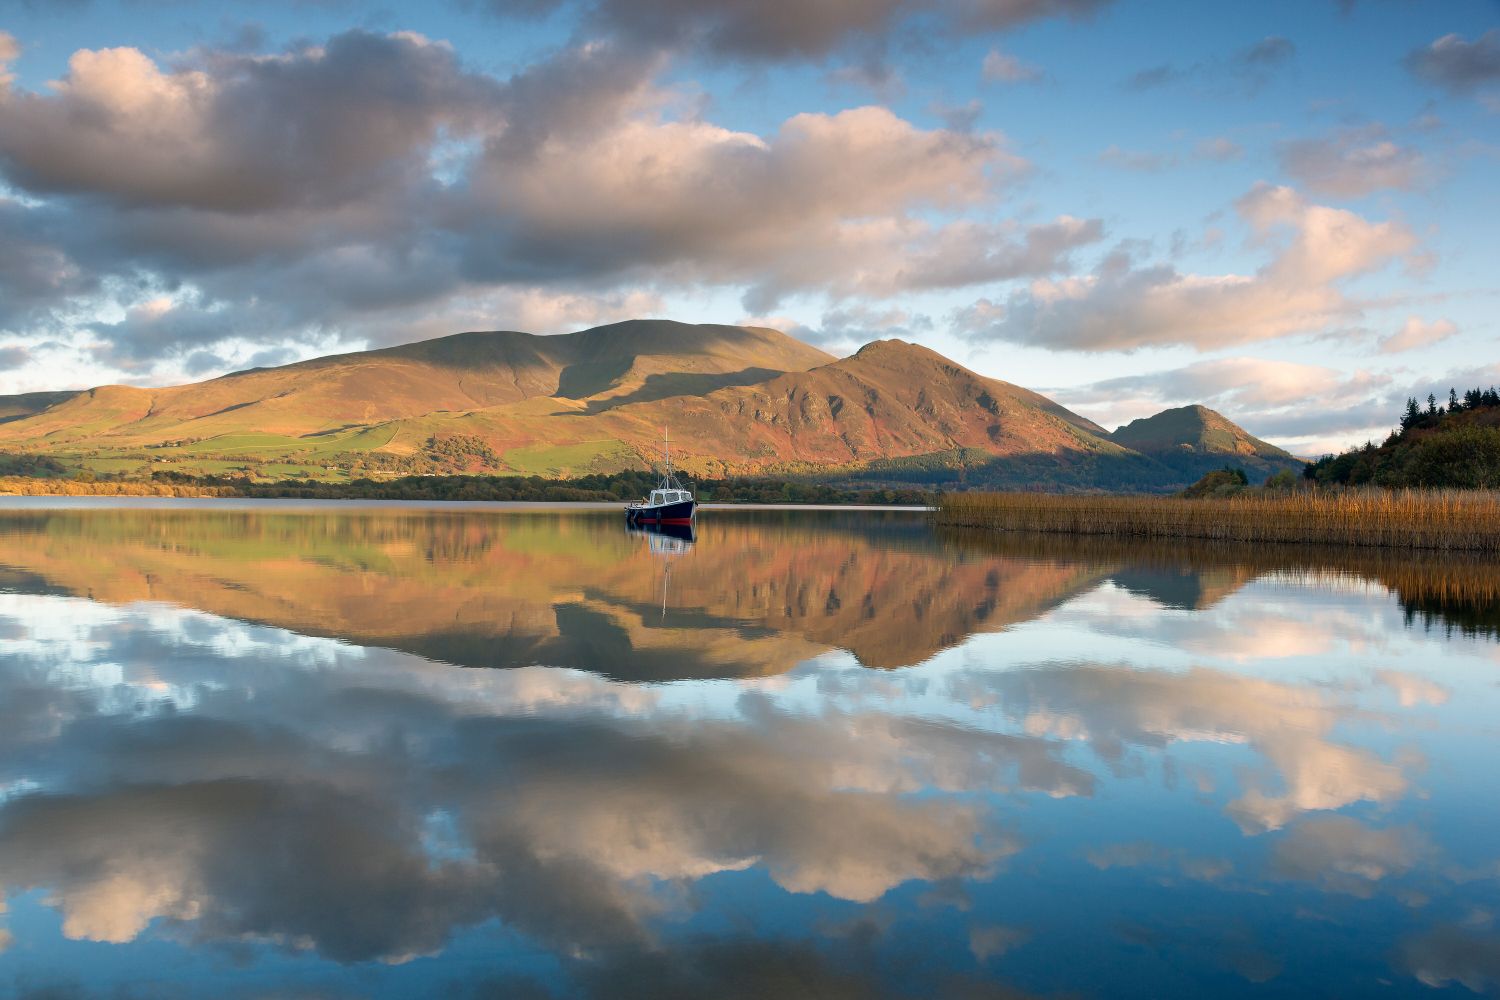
{"x": 679, "y": 513}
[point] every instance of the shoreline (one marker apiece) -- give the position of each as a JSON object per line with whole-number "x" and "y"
{"x": 131, "y": 501}
{"x": 1437, "y": 520}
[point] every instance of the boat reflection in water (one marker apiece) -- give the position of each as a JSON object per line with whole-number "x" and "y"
{"x": 264, "y": 751}
{"x": 665, "y": 541}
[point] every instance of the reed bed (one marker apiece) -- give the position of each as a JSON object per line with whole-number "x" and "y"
{"x": 1445, "y": 520}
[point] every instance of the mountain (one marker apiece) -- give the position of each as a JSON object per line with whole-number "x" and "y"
{"x": 738, "y": 400}
{"x": 1196, "y": 430}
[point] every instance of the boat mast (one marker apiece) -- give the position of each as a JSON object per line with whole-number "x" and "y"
{"x": 666, "y": 437}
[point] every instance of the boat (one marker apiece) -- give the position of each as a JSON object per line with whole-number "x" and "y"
{"x": 670, "y": 503}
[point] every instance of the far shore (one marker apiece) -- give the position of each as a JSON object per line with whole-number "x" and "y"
{"x": 126, "y": 501}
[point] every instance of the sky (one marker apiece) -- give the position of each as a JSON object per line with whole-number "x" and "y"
{"x": 1283, "y": 210}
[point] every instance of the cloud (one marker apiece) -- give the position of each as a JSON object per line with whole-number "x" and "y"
{"x": 1248, "y": 69}
{"x": 1270, "y": 397}
{"x": 1415, "y": 333}
{"x": 10, "y": 51}
{"x": 1122, "y": 306}
{"x": 1219, "y": 149}
{"x": 775, "y": 30}
{"x": 1144, "y": 162}
{"x": 1273, "y": 50}
{"x": 13, "y": 357}
{"x": 1352, "y": 163}
{"x": 999, "y": 67}
{"x": 373, "y": 189}
{"x": 317, "y": 128}
{"x": 1457, "y": 64}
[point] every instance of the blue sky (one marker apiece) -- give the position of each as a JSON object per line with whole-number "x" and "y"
{"x": 1283, "y": 210}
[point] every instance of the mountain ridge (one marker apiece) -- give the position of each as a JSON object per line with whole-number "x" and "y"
{"x": 741, "y": 400}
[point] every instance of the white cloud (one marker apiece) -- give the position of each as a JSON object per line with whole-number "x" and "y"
{"x": 1001, "y": 67}
{"x": 1416, "y": 333}
{"x": 1121, "y": 306}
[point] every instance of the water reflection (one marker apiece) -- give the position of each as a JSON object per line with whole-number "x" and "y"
{"x": 236, "y": 758}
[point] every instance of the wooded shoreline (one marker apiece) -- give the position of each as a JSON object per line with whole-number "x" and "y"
{"x": 1451, "y": 520}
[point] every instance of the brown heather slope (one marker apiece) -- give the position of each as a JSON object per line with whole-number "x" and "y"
{"x": 467, "y": 371}
{"x": 891, "y": 399}
{"x": 738, "y": 400}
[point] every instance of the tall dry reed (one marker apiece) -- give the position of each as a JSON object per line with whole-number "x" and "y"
{"x": 1455, "y": 520}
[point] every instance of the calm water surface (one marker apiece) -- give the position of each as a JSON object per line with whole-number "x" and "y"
{"x": 378, "y": 753}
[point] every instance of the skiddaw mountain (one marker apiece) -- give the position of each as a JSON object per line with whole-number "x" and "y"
{"x": 738, "y": 400}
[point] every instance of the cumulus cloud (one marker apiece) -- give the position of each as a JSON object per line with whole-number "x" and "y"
{"x": 1458, "y": 64}
{"x": 1352, "y": 163}
{"x": 374, "y": 189}
{"x": 1415, "y": 333}
{"x": 1001, "y": 67}
{"x": 315, "y": 128}
{"x": 1270, "y": 397}
{"x": 822, "y": 203}
{"x": 1122, "y": 306}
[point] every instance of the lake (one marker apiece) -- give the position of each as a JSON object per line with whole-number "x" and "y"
{"x": 250, "y": 750}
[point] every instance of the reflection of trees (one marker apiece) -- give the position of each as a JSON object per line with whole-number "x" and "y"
{"x": 1443, "y": 589}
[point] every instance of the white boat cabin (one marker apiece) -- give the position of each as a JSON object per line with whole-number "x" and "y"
{"x": 660, "y": 498}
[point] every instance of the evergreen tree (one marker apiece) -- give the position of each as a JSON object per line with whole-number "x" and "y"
{"x": 1413, "y": 414}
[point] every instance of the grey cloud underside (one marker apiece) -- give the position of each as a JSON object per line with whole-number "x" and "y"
{"x": 373, "y": 181}
{"x": 1457, "y": 64}
{"x": 772, "y": 30}
{"x": 1249, "y": 68}
{"x": 1352, "y": 162}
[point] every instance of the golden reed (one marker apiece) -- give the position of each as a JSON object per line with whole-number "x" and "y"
{"x": 1457, "y": 520}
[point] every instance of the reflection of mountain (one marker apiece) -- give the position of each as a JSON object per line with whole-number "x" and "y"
{"x": 756, "y": 594}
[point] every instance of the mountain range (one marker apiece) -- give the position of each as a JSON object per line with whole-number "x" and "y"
{"x": 738, "y": 400}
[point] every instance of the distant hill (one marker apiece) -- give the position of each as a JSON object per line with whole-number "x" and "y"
{"x": 738, "y": 400}
{"x": 1195, "y": 429}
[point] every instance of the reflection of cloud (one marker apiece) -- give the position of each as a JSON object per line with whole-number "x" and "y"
{"x": 993, "y": 940}
{"x": 1449, "y": 954}
{"x": 1411, "y": 690}
{"x": 1142, "y": 854}
{"x": 1288, "y": 724}
{"x": 1343, "y": 855}
{"x": 573, "y": 808}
